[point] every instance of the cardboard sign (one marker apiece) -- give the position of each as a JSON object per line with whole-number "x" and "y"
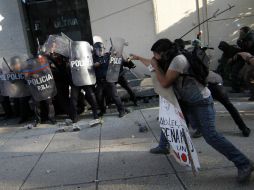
{"x": 175, "y": 129}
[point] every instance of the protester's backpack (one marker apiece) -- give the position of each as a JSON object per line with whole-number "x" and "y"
{"x": 199, "y": 64}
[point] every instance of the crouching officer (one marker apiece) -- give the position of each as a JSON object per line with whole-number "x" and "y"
{"x": 104, "y": 86}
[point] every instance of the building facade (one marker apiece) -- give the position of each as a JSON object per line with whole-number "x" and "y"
{"x": 140, "y": 22}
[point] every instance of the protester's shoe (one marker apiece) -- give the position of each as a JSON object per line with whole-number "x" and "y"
{"x": 159, "y": 150}
{"x": 244, "y": 174}
{"x": 197, "y": 134}
{"x": 246, "y": 132}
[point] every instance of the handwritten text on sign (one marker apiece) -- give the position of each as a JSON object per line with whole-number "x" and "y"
{"x": 175, "y": 129}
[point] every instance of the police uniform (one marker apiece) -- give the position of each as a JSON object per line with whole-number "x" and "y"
{"x": 59, "y": 69}
{"x": 124, "y": 83}
{"x": 104, "y": 87}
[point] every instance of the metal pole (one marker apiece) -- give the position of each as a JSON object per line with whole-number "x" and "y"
{"x": 216, "y": 13}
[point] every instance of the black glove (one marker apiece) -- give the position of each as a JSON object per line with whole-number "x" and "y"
{"x": 129, "y": 64}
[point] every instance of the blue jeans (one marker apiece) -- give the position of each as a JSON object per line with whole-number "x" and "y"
{"x": 202, "y": 115}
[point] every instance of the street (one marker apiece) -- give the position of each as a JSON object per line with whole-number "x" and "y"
{"x": 116, "y": 155}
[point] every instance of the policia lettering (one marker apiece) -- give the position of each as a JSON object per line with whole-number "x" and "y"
{"x": 12, "y": 76}
{"x": 40, "y": 79}
{"x": 81, "y": 63}
{"x": 42, "y": 82}
{"x": 116, "y": 60}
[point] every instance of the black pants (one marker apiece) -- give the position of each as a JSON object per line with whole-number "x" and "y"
{"x": 219, "y": 93}
{"x": 50, "y": 110}
{"x": 6, "y": 104}
{"x": 250, "y": 81}
{"x": 236, "y": 80}
{"x": 124, "y": 83}
{"x": 107, "y": 89}
{"x": 90, "y": 97}
{"x": 24, "y": 108}
{"x": 62, "y": 100}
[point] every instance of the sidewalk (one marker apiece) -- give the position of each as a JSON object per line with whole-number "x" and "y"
{"x": 115, "y": 156}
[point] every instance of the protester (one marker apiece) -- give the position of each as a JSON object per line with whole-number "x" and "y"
{"x": 169, "y": 64}
{"x": 219, "y": 93}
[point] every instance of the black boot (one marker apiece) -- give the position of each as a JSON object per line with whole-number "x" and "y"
{"x": 197, "y": 134}
{"x": 246, "y": 132}
{"x": 244, "y": 173}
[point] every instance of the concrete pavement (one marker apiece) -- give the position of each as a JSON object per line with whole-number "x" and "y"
{"x": 115, "y": 156}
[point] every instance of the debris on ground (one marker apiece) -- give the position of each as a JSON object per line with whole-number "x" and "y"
{"x": 72, "y": 128}
{"x": 95, "y": 122}
{"x": 138, "y": 124}
{"x": 143, "y": 129}
{"x": 76, "y": 128}
{"x": 50, "y": 171}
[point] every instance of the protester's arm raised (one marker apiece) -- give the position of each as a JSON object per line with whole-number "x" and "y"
{"x": 166, "y": 80}
{"x": 143, "y": 60}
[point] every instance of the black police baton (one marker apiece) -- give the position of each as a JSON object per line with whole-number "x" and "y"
{"x": 7, "y": 64}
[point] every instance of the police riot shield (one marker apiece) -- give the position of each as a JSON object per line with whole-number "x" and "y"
{"x": 81, "y": 62}
{"x": 116, "y": 58}
{"x": 40, "y": 79}
{"x": 1, "y": 80}
{"x": 13, "y": 80}
{"x": 57, "y": 44}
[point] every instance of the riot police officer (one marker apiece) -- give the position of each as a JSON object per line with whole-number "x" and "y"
{"x": 83, "y": 77}
{"x": 21, "y": 97}
{"x": 59, "y": 68}
{"x": 101, "y": 64}
{"x": 42, "y": 87}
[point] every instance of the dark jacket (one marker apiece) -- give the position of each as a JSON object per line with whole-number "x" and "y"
{"x": 101, "y": 71}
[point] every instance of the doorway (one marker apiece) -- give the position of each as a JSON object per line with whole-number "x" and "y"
{"x": 45, "y": 17}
